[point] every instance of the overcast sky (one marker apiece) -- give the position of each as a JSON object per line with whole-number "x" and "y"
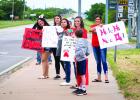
{"x": 86, "y": 4}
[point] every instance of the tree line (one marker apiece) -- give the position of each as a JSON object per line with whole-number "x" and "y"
{"x": 20, "y": 11}
{"x": 99, "y": 9}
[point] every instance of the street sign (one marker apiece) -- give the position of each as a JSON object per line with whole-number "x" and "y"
{"x": 120, "y": 8}
{"x": 112, "y": 4}
{"x": 11, "y": 16}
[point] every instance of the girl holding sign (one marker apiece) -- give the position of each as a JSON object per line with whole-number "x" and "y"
{"x": 79, "y": 25}
{"x": 46, "y": 52}
{"x": 99, "y": 54}
{"x": 57, "y": 22}
{"x": 66, "y": 27}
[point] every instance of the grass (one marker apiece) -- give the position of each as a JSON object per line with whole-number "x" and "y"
{"x": 127, "y": 72}
{"x": 87, "y": 24}
{"x": 6, "y": 24}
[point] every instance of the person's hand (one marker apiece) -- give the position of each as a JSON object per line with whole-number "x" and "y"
{"x": 93, "y": 29}
{"x": 101, "y": 25}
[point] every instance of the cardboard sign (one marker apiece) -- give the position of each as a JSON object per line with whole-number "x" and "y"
{"x": 112, "y": 34}
{"x": 50, "y": 37}
{"x": 68, "y": 48}
{"x": 32, "y": 39}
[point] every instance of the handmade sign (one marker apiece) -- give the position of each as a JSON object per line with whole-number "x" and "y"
{"x": 50, "y": 37}
{"x": 32, "y": 39}
{"x": 68, "y": 48}
{"x": 112, "y": 34}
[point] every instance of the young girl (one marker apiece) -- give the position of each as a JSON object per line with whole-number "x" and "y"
{"x": 79, "y": 25}
{"x": 66, "y": 26}
{"x": 44, "y": 54}
{"x": 57, "y": 22}
{"x": 99, "y": 54}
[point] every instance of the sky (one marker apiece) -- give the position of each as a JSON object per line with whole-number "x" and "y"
{"x": 86, "y": 4}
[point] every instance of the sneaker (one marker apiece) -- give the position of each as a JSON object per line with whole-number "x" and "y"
{"x": 76, "y": 91}
{"x": 65, "y": 84}
{"x": 81, "y": 92}
{"x": 57, "y": 77}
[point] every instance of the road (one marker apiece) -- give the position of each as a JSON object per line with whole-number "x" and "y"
{"x": 11, "y": 52}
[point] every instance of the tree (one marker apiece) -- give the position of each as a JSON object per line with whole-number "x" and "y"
{"x": 6, "y": 6}
{"x": 96, "y": 9}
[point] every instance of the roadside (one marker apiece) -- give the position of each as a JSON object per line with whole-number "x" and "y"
{"x": 6, "y": 24}
{"x": 25, "y": 85}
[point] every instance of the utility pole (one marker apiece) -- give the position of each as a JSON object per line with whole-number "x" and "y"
{"x": 138, "y": 24}
{"x": 23, "y": 8}
{"x": 115, "y": 49}
{"x": 106, "y": 17}
{"x": 79, "y": 7}
{"x": 12, "y": 16}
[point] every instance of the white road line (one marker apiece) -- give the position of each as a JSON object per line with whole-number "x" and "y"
{"x": 14, "y": 66}
{"x": 3, "y": 53}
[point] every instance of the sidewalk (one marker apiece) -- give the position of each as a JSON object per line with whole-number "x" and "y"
{"x": 25, "y": 85}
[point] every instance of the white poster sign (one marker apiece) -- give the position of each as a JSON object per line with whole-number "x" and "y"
{"x": 50, "y": 37}
{"x": 68, "y": 48}
{"x": 112, "y": 34}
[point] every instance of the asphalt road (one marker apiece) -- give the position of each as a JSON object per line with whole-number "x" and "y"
{"x": 11, "y": 52}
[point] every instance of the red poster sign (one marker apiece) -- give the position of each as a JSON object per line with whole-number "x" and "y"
{"x": 32, "y": 39}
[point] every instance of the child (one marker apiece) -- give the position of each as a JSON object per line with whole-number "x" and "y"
{"x": 81, "y": 53}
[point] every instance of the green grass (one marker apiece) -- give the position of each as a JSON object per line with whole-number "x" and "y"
{"x": 127, "y": 72}
{"x": 87, "y": 24}
{"x": 6, "y": 24}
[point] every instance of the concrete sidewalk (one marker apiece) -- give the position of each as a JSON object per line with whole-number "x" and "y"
{"x": 25, "y": 85}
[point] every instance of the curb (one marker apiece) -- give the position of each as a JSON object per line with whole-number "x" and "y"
{"x": 14, "y": 67}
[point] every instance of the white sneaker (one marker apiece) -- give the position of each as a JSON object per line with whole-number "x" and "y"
{"x": 65, "y": 84}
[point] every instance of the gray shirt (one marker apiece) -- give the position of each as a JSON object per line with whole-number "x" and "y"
{"x": 82, "y": 49}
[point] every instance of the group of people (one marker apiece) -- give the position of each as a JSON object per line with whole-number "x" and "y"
{"x": 81, "y": 53}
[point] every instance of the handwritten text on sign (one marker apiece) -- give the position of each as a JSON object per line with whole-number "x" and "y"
{"x": 50, "y": 37}
{"x": 32, "y": 39}
{"x": 68, "y": 48}
{"x": 112, "y": 34}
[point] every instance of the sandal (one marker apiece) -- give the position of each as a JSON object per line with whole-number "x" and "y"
{"x": 106, "y": 81}
{"x": 96, "y": 80}
{"x": 43, "y": 77}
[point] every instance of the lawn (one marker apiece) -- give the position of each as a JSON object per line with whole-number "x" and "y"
{"x": 5, "y": 24}
{"x": 87, "y": 24}
{"x": 127, "y": 72}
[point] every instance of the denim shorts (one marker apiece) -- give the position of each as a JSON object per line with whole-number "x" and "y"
{"x": 47, "y": 49}
{"x": 81, "y": 67}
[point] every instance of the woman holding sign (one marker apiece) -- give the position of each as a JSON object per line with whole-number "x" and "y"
{"x": 46, "y": 52}
{"x": 57, "y": 22}
{"x": 99, "y": 54}
{"x": 66, "y": 32}
{"x": 79, "y": 25}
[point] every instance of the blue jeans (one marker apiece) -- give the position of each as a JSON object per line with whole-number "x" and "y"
{"x": 38, "y": 58}
{"x": 100, "y": 56}
{"x": 67, "y": 66}
{"x": 49, "y": 58}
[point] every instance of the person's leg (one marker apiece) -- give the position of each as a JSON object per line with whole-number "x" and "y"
{"x": 104, "y": 62}
{"x": 57, "y": 65}
{"x": 81, "y": 70}
{"x": 49, "y": 59}
{"x": 38, "y": 58}
{"x": 97, "y": 55}
{"x": 68, "y": 71}
{"x": 62, "y": 64}
{"x": 45, "y": 66}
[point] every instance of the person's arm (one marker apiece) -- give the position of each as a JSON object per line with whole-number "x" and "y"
{"x": 92, "y": 29}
